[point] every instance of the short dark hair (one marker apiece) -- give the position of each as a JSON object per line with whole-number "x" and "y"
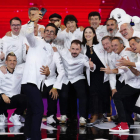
{"x": 15, "y": 18}
{"x": 52, "y": 25}
{"x": 137, "y": 39}
{"x": 76, "y": 42}
{"x": 95, "y": 13}
{"x": 32, "y": 8}
{"x": 70, "y": 18}
{"x": 55, "y": 15}
{"x": 113, "y": 20}
{"x": 10, "y": 54}
{"x": 107, "y": 37}
{"x": 95, "y": 41}
{"x": 119, "y": 39}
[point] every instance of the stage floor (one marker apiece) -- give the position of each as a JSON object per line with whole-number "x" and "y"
{"x": 72, "y": 131}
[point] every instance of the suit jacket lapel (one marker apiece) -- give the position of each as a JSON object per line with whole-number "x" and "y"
{"x": 100, "y": 52}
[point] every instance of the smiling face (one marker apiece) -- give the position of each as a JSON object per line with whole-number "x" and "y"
{"x": 75, "y": 49}
{"x": 94, "y": 21}
{"x": 71, "y": 25}
{"x": 117, "y": 47}
{"x": 107, "y": 45}
{"x": 89, "y": 35}
{"x": 112, "y": 27}
{"x": 126, "y": 31}
{"x": 15, "y": 27}
{"x": 11, "y": 62}
{"x": 134, "y": 45}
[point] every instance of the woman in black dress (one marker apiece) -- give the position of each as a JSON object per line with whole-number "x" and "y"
{"x": 99, "y": 87}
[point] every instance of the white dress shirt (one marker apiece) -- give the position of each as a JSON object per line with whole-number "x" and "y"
{"x": 10, "y": 83}
{"x": 39, "y": 54}
{"x": 15, "y": 44}
{"x": 25, "y": 26}
{"x": 69, "y": 37}
{"x": 56, "y": 64}
{"x": 112, "y": 77}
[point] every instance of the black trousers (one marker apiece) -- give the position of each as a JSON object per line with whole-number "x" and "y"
{"x": 81, "y": 94}
{"x": 17, "y": 101}
{"x": 35, "y": 111}
{"x": 52, "y": 104}
{"x": 72, "y": 103}
{"x": 125, "y": 100}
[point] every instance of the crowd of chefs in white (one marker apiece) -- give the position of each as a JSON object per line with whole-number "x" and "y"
{"x": 94, "y": 64}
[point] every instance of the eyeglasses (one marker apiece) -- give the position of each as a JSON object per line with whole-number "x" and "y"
{"x": 16, "y": 25}
{"x": 49, "y": 32}
{"x": 52, "y": 20}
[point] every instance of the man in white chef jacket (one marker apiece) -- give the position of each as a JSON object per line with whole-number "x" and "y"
{"x": 54, "y": 81}
{"x": 74, "y": 62}
{"x": 10, "y": 88}
{"x": 16, "y": 43}
{"x": 36, "y": 69}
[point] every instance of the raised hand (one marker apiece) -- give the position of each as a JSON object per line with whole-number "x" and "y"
{"x": 123, "y": 62}
{"x": 91, "y": 64}
{"x": 106, "y": 70}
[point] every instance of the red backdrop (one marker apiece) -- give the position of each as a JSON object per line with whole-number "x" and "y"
{"x": 80, "y": 8}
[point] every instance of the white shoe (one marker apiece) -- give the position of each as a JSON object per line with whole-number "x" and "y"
{"x": 63, "y": 119}
{"x": 2, "y": 128}
{"x": 2, "y": 119}
{"x": 15, "y": 119}
{"x": 82, "y": 121}
{"x": 15, "y": 129}
{"x": 82, "y": 130}
{"x": 6, "y": 120}
{"x": 50, "y": 120}
{"x": 63, "y": 129}
{"x": 22, "y": 119}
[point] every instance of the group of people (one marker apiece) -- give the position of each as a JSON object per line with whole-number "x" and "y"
{"x": 94, "y": 64}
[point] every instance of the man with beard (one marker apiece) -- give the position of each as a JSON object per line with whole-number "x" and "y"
{"x": 112, "y": 28}
{"x": 74, "y": 62}
{"x": 94, "y": 19}
{"x": 53, "y": 81}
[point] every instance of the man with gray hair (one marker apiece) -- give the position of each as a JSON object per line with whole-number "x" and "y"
{"x": 32, "y": 12}
{"x": 127, "y": 32}
{"x": 126, "y": 97}
{"x": 112, "y": 28}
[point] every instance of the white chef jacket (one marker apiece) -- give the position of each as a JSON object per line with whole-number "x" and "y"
{"x": 112, "y": 77}
{"x": 56, "y": 63}
{"x": 10, "y": 83}
{"x": 40, "y": 53}
{"x": 15, "y": 44}
{"x": 69, "y": 37}
{"x": 101, "y": 31}
{"x": 74, "y": 66}
{"x": 127, "y": 75}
